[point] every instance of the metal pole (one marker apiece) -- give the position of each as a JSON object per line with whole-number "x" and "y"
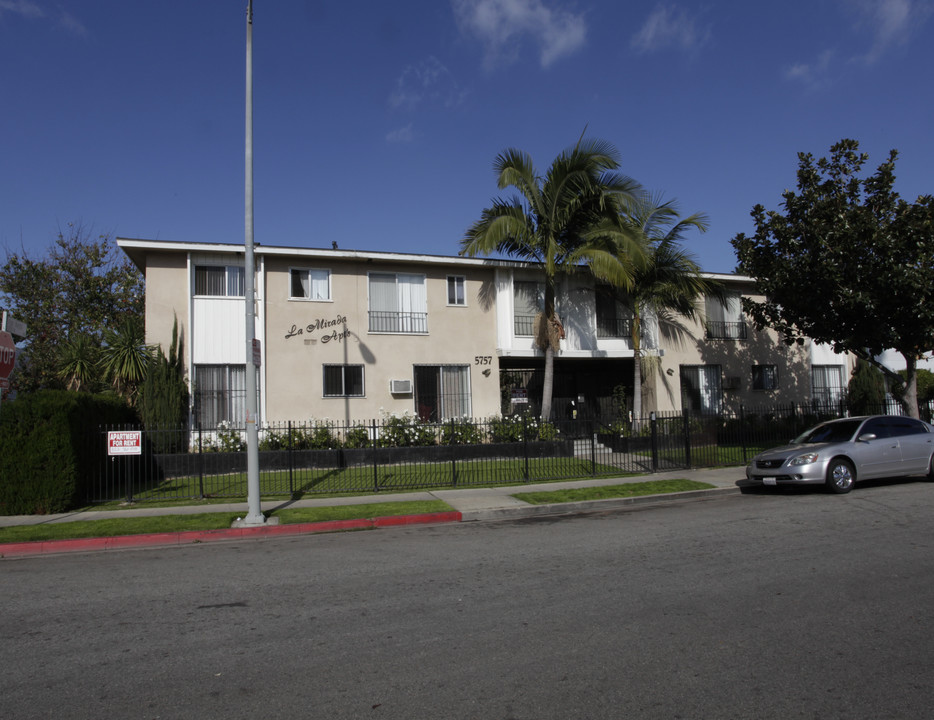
{"x": 254, "y": 511}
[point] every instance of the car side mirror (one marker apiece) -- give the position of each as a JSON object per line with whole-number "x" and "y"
{"x": 866, "y": 437}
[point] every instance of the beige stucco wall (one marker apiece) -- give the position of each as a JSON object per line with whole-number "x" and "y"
{"x": 167, "y": 299}
{"x": 297, "y": 345}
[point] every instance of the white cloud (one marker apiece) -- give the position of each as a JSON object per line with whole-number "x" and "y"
{"x": 401, "y": 135}
{"x": 24, "y": 8}
{"x": 59, "y": 18}
{"x": 814, "y": 74}
{"x": 427, "y": 82}
{"x": 670, "y": 26}
{"x": 890, "y": 22}
{"x": 500, "y": 25}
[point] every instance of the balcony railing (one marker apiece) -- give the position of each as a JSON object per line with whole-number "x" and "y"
{"x": 386, "y": 321}
{"x": 611, "y": 327}
{"x": 726, "y": 330}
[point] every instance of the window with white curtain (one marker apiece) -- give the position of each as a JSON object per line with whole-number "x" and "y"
{"x": 309, "y": 284}
{"x": 219, "y": 280}
{"x": 456, "y": 290}
{"x": 725, "y": 317}
{"x": 826, "y": 385}
{"x": 701, "y": 389}
{"x": 528, "y": 302}
{"x": 442, "y": 392}
{"x": 398, "y": 303}
{"x": 220, "y": 395}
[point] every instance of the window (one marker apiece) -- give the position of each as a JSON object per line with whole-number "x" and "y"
{"x": 442, "y": 392}
{"x": 764, "y": 377}
{"x": 456, "y": 291}
{"x": 343, "y": 381}
{"x": 701, "y": 391}
{"x": 398, "y": 303}
{"x": 614, "y": 319}
{"x": 220, "y": 394}
{"x": 826, "y": 385}
{"x": 309, "y": 284}
{"x": 725, "y": 317}
{"x": 529, "y": 301}
{"x": 219, "y": 280}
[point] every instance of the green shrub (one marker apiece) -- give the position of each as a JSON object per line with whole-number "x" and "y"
{"x": 51, "y": 450}
{"x": 405, "y": 431}
{"x": 357, "y": 437}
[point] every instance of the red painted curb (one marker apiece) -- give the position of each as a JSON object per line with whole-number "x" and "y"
{"x": 187, "y": 537}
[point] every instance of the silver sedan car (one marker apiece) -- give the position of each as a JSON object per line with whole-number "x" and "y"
{"x": 840, "y": 452}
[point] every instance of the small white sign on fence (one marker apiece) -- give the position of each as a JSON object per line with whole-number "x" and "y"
{"x": 124, "y": 442}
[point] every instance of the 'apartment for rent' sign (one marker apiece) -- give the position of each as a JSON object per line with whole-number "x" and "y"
{"x": 124, "y": 442}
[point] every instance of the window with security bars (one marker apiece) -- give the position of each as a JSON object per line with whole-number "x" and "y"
{"x": 220, "y": 395}
{"x": 826, "y": 385}
{"x": 528, "y": 302}
{"x": 442, "y": 392}
{"x": 309, "y": 284}
{"x": 701, "y": 389}
{"x": 343, "y": 381}
{"x": 398, "y": 303}
{"x": 219, "y": 280}
{"x": 764, "y": 377}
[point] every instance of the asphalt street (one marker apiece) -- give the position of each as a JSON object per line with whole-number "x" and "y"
{"x": 765, "y": 605}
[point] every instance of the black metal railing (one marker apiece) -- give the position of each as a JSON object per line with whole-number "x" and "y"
{"x": 403, "y": 453}
{"x": 726, "y": 330}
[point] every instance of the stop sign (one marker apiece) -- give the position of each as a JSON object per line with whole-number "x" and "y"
{"x": 7, "y": 355}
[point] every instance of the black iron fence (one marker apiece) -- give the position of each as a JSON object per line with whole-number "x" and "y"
{"x": 398, "y": 454}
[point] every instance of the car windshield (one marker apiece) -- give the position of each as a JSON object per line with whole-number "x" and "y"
{"x": 830, "y": 432}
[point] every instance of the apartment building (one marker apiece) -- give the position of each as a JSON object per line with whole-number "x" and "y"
{"x": 347, "y": 335}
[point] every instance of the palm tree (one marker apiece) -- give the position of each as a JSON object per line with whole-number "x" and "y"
{"x": 669, "y": 282}
{"x": 559, "y": 221}
{"x": 79, "y": 363}
{"x": 126, "y": 357}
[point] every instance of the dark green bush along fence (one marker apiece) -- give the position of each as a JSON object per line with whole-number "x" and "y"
{"x": 397, "y": 454}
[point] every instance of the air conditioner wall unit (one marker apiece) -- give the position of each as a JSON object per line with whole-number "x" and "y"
{"x": 731, "y": 382}
{"x": 400, "y": 387}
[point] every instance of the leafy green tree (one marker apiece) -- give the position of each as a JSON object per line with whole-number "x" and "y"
{"x": 669, "y": 282}
{"x": 865, "y": 393}
{"x": 559, "y": 221}
{"x": 82, "y": 286}
{"x": 848, "y": 263}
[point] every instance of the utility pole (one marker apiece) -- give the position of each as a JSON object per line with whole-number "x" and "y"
{"x": 254, "y": 511}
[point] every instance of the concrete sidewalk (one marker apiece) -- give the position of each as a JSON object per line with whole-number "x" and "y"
{"x": 470, "y": 504}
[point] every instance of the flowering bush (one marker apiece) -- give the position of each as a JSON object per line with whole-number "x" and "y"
{"x": 461, "y": 432}
{"x": 405, "y": 431}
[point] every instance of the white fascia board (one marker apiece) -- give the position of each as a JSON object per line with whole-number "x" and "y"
{"x": 134, "y": 244}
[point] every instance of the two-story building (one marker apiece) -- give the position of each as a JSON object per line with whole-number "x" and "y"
{"x": 347, "y": 335}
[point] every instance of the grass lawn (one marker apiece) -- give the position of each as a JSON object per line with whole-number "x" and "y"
{"x": 362, "y": 479}
{"x": 652, "y": 487}
{"x": 112, "y": 527}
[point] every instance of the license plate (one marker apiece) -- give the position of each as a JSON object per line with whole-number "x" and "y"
{"x": 769, "y": 481}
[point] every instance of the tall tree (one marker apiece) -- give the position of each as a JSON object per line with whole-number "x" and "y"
{"x": 848, "y": 263}
{"x": 82, "y": 286}
{"x": 669, "y": 282}
{"x": 560, "y": 220}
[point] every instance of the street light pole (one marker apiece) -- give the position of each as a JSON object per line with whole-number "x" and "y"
{"x": 254, "y": 511}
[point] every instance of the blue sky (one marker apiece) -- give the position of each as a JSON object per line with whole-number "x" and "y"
{"x": 376, "y": 124}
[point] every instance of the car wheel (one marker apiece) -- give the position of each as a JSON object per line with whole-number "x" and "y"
{"x": 840, "y": 476}
{"x": 931, "y": 469}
